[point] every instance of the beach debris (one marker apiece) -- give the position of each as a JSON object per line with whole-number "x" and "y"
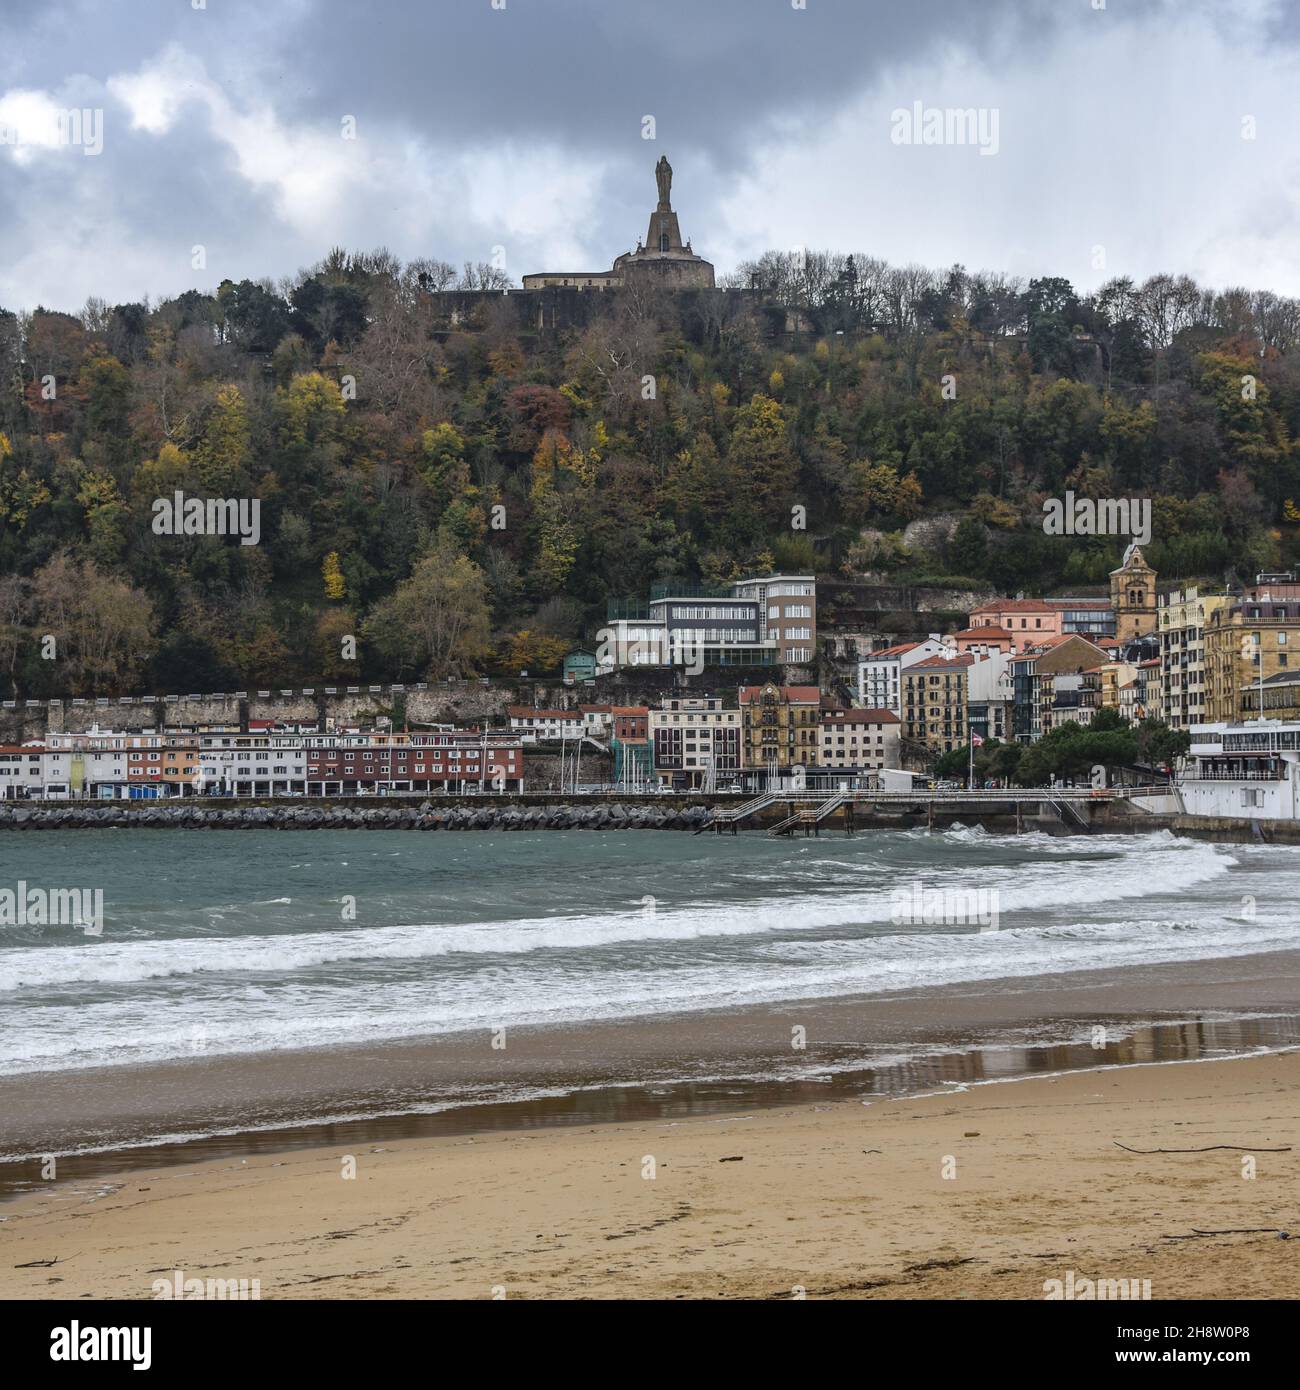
{"x": 1239, "y": 1148}
{"x": 940, "y": 1264}
{"x": 734, "y": 1158}
{"x": 1236, "y": 1231}
{"x": 45, "y": 1264}
{"x": 971, "y": 1134}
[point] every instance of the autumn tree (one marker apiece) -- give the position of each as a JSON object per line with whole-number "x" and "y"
{"x": 102, "y": 627}
{"x": 436, "y": 622}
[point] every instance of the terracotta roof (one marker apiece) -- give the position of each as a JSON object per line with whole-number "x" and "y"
{"x": 943, "y": 662}
{"x": 984, "y": 633}
{"x": 892, "y": 651}
{"x": 631, "y": 709}
{"x": 796, "y": 694}
{"x": 860, "y": 716}
{"x": 1015, "y": 605}
{"x": 1048, "y": 643}
{"x": 596, "y": 709}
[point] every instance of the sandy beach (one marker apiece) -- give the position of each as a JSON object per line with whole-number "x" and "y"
{"x": 983, "y": 1194}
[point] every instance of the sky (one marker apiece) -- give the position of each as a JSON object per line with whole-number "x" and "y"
{"x": 244, "y": 138}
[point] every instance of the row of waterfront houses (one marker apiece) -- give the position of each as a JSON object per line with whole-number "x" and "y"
{"x": 265, "y": 760}
{"x": 686, "y": 741}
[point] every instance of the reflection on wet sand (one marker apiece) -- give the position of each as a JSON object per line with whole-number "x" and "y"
{"x": 843, "y": 1072}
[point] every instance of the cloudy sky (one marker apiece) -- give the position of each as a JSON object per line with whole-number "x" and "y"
{"x": 1122, "y": 135}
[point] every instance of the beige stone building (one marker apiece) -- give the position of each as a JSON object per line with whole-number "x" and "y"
{"x": 1252, "y": 637}
{"x": 780, "y": 726}
{"x": 662, "y": 261}
{"x": 934, "y": 699}
{"x": 1111, "y": 677}
{"x": 1133, "y": 596}
{"x": 1182, "y": 615}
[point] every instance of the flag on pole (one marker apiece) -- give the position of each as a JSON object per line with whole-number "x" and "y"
{"x": 976, "y": 741}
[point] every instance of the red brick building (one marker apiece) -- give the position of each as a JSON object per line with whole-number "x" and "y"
{"x": 450, "y": 760}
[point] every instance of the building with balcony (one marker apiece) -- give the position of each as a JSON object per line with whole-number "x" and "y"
{"x": 1041, "y": 675}
{"x": 1243, "y": 770}
{"x": 695, "y": 741}
{"x": 767, "y": 620}
{"x": 435, "y": 760}
{"x": 880, "y": 674}
{"x": 1181, "y": 618}
{"x": 544, "y": 725}
{"x": 858, "y": 740}
{"x": 934, "y": 702}
{"x": 780, "y": 725}
{"x": 1248, "y": 639}
{"x": 1281, "y": 697}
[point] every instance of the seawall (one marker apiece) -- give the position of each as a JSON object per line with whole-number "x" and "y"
{"x": 299, "y": 814}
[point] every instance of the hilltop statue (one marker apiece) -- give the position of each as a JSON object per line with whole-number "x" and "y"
{"x": 664, "y": 178}
{"x": 661, "y": 259}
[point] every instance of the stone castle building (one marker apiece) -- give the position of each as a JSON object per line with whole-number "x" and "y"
{"x": 663, "y": 260}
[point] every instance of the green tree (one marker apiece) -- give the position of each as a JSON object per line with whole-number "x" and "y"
{"x": 436, "y": 622}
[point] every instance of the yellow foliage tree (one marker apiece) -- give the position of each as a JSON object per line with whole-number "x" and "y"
{"x": 536, "y": 651}
{"x": 335, "y": 588}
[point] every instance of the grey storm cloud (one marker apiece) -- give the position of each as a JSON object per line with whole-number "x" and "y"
{"x": 522, "y": 127}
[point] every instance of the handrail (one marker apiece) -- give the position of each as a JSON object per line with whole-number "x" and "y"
{"x": 830, "y": 804}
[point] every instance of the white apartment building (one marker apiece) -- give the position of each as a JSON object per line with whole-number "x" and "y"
{"x": 990, "y": 695}
{"x": 260, "y": 764}
{"x": 20, "y": 770}
{"x": 858, "y": 738}
{"x": 765, "y": 620}
{"x": 695, "y": 741}
{"x": 1243, "y": 769}
{"x": 535, "y": 725}
{"x": 597, "y": 720}
{"x": 880, "y": 674}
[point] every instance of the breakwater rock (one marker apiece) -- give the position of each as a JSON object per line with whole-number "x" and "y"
{"x": 603, "y": 815}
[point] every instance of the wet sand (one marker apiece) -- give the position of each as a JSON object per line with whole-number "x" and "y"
{"x": 104, "y": 1119}
{"x": 990, "y": 1193}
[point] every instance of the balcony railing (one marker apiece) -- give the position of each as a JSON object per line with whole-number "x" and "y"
{"x": 1253, "y": 774}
